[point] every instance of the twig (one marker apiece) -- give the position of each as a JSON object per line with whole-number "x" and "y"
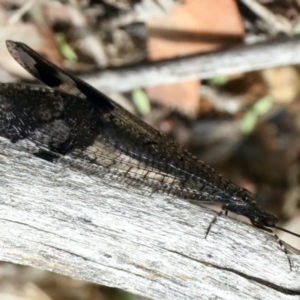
{"x": 280, "y": 52}
{"x": 17, "y": 16}
{"x": 60, "y": 219}
{"x": 276, "y": 23}
{"x": 142, "y": 11}
{"x": 21, "y": 12}
{"x": 93, "y": 44}
{"x": 245, "y": 58}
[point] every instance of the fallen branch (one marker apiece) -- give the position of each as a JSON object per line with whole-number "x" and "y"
{"x": 283, "y": 51}
{"x": 276, "y": 23}
{"x": 279, "y": 52}
{"x": 59, "y": 219}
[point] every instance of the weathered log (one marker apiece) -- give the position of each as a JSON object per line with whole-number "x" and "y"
{"x": 59, "y": 219}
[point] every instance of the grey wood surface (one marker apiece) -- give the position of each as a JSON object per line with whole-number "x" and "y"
{"x": 59, "y": 219}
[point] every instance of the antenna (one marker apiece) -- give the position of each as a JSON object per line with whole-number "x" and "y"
{"x": 287, "y": 231}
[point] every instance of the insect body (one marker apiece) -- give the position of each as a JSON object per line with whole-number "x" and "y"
{"x": 71, "y": 118}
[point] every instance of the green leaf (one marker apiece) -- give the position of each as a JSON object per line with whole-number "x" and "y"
{"x": 141, "y": 101}
{"x": 296, "y": 29}
{"x": 127, "y": 296}
{"x": 263, "y": 105}
{"x": 65, "y": 48}
{"x": 218, "y": 80}
{"x": 249, "y": 121}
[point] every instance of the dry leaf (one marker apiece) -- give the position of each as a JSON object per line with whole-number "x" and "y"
{"x": 193, "y": 27}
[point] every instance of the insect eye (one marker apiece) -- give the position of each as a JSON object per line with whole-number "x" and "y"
{"x": 271, "y": 221}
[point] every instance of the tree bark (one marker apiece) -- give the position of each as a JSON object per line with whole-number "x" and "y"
{"x": 59, "y": 219}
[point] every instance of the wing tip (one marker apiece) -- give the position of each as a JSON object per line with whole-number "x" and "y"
{"x": 15, "y": 47}
{"x": 12, "y": 47}
{"x": 10, "y": 44}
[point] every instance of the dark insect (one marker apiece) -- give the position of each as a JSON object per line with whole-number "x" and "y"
{"x": 74, "y": 120}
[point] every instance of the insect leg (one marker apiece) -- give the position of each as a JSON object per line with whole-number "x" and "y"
{"x": 214, "y": 220}
{"x": 282, "y": 246}
{"x": 279, "y": 241}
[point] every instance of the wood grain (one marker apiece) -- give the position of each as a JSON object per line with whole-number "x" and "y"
{"x": 58, "y": 219}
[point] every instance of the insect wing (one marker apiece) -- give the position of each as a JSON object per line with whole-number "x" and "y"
{"x": 149, "y": 155}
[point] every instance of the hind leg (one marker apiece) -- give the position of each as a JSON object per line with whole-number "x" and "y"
{"x": 224, "y": 211}
{"x": 279, "y": 241}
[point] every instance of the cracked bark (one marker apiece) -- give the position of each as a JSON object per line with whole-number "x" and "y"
{"x": 59, "y": 219}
